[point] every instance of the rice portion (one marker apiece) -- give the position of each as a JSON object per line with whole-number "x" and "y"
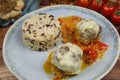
{"x": 41, "y": 32}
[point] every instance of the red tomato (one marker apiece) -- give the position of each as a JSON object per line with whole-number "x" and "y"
{"x": 115, "y": 18}
{"x": 118, "y": 5}
{"x": 83, "y": 3}
{"x": 96, "y": 5}
{"x": 107, "y": 10}
{"x": 112, "y": 1}
{"x": 105, "y": 1}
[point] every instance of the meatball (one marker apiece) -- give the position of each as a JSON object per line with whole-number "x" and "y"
{"x": 88, "y": 30}
{"x": 68, "y": 58}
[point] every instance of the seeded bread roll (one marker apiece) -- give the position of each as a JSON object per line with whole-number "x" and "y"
{"x": 10, "y": 8}
{"x": 41, "y": 32}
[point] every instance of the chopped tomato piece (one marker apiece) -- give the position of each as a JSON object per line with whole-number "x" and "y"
{"x": 102, "y": 46}
{"x": 90, "y": 55}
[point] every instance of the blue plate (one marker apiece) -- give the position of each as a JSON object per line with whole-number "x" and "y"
{"x": 28, "y": 65}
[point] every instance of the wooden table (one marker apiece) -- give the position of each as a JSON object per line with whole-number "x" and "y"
{"x": 5, "y": 74}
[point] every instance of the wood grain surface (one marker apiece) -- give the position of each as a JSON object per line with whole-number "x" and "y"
{"x": 5, "y": 74}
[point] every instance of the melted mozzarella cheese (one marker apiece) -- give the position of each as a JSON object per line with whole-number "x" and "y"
{"x": 68, "y": 58}
{"x": 88, "y": 30}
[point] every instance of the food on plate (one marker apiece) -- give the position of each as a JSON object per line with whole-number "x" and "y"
{"x": 81, "y": 47}
{"x": 68, "y": 27}
{"x": 85, "y": 34}
{"x": 68, "y": 58}
{"x": 93, "y": 52}
{"x": 88, "y": 31}
{"x": 10, "y": 8}
{"x": 41, "y": 31}
{"x": 75, "y": 28}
